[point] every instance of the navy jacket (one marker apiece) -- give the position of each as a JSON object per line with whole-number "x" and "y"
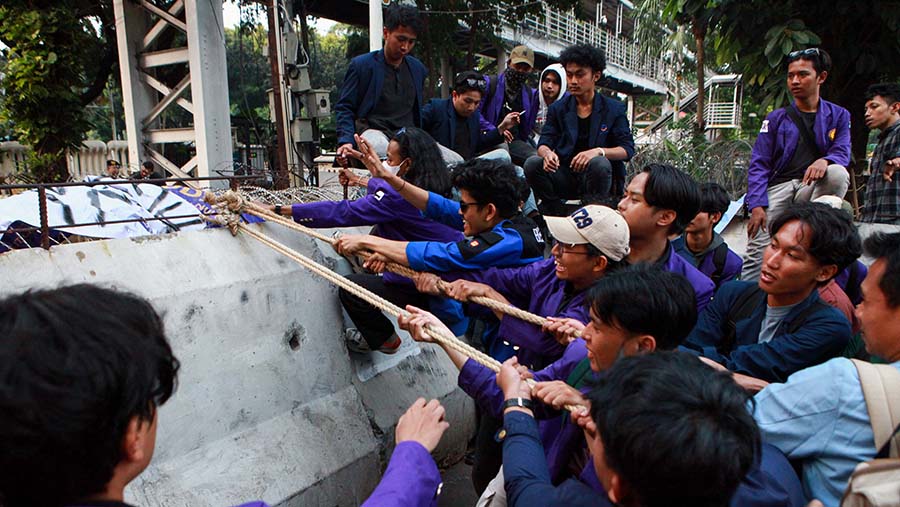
{"x": 823, "y": 336}
{"x": 609, "y": 128}
{"x": 362, "y": 88}
{"x": 439, "y": 120}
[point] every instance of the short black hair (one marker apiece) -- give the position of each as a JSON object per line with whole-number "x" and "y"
{"x": 671, "y": 188}
{"x": 77, "y": 363}
{"x": 887, "y": 246}
{"x": 584, "y": 55}
{"x": 403, "y": 15}
{"x": 677, "y": 432}
{"x": 713, "y": 198}
{"x": 470, "y": 81}
{"x": 834, "y": 238}
{"x": 491, "y": 182}
{"x": 147, "y": 164}
{"x": 820, "y": 58}
{"x": 890, "y": 92}
{"x": 644, "y": 299}
{"x": 427, "y": 169}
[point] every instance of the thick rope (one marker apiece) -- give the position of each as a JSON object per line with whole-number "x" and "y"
{"x": 232, "y": 221}
{"x": 236, "y": 204}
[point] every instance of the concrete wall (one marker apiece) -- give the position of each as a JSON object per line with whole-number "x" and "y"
{"x": 253, "y": 417}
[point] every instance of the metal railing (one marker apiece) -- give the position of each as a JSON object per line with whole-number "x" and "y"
{"x": 567, "y": 28}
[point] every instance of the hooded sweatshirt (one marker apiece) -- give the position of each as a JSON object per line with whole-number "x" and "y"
{"x": 542, "y": 109}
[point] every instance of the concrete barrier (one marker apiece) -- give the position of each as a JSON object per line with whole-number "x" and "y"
{"x": 255, "y": 417}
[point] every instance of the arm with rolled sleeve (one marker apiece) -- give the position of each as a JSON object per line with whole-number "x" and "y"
{"x": 412, "y": 479}
{"x": 761, "y": 165}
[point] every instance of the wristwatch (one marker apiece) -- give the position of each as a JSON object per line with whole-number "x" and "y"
{"x": 277, "y": 209}
{"x": 518, "y": 402}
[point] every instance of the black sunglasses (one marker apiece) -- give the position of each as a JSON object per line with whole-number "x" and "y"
{"x": 793, "y": 55}
{"x": 464, "y": 206}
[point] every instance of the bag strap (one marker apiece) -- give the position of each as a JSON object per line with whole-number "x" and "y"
{"x": 742, "y": 308}
{"x": 881, "y": 388}
{"x": 805, "y": 132}
{"x": 720, "y": 256}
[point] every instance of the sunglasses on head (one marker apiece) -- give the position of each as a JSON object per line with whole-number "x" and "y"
{"x": 480, "y": 84}
{"x": 793, "y": 55}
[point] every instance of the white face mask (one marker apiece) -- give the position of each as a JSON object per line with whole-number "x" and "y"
{"x": 394, "y": 169}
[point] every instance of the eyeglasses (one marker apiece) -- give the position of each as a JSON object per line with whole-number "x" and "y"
{"x": 464, "y": 206}
{"x": 562, "y": 247}
{"x": 793, "y": 55}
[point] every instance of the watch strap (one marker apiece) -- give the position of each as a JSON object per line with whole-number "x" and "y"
{"x": 277, "y": 209}
{"x": 518, "y": 402}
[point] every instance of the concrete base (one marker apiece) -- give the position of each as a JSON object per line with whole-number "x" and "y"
{"x": 269, "y": 404}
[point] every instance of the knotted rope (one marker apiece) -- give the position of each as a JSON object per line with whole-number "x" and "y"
{"x": 231, "y": 219}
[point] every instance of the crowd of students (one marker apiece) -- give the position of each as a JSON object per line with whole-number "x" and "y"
{"x": 660, "y": 378}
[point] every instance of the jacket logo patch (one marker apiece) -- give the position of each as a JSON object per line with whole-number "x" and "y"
{"x": 603, "y": 127}
{"x": 831, "y": 134}
{"x": 473, "y": 243}
{"x": 765, "y": 127}
{"x": 379, "y": 195}
{"x": 537, "y": 234}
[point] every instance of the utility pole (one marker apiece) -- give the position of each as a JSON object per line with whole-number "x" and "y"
{"x": 281, "y": 180}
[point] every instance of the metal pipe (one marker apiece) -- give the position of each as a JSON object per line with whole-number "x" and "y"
{"x": 376, "y": 25}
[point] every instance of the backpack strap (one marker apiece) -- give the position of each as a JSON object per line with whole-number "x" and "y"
{"x": 720, "y": 255}
{"x": 801, "y": 317}
{"x": 881, "y": 388}
{"x": 805, "y": 133}
{"x": 742, "y": 308}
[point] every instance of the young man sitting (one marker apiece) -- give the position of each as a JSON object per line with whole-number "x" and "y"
{"x": 701, "y": 246}
{"x": 490, "y": 195}
{"x": 456, "y": 124}
{"x": 819, "y": 417}
{"x": 584, "y": 135}
{"x": 662, "y": 429}
{"x": 771, "y": 329}
{"x": 660, "y": 201}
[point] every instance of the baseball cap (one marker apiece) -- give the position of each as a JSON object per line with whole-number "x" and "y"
{"x": 603, "y": 227}
{"x": 521, "y": 54}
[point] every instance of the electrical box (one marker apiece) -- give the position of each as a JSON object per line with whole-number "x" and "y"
{"x": 317, "y": 104}
{"x": 302, "y": 131}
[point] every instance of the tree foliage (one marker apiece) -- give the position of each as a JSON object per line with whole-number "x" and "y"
{"x": 58, "y": 62}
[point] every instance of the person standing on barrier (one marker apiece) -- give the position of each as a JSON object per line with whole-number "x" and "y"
{"x": 801, "y": 153}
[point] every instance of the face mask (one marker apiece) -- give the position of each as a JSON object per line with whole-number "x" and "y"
{"x": 394, "y": 169}
{"x": 514, "y": 77}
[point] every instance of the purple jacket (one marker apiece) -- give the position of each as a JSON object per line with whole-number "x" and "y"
{"x": 394, "y": 218}
{"x": 703, "y": 286}
{"x": 778, "y": 140}
{"x": 412, "y": 479}
{"x": 537, "y": 289}
{"x": 490, "y": 112}
{"x": 559, "y": 436}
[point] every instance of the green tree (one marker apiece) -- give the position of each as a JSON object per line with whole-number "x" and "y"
{"x": 58, "y": 62}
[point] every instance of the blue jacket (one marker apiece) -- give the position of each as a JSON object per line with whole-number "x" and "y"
{"x": 609, "y": 128}
{"x": 705, "y": 262}
{"x": 362, "y": 89}
{"x": 506, "y": 245}
{"x": 439, "y": 120}
{"x": 412, "y": 479}
{"x": 490, "y": 111}
{"x": 823, "y": 336}
{"x": 777, "y": 142}
{"x": 394, "y": 218}
{"x": 560, "y": 437}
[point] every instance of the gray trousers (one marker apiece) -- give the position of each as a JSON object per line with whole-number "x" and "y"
{"x": 781, "y": 196}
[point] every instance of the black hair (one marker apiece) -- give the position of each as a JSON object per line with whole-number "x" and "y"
{"x": 820, "y": 58}
{"x": 644, "y": 299}
{"x": 147, "y": 164}
{"x": 713, "y": 198}
{"x": 834, "y": 239}
{"x": 584, "y": 55}
{"x": 427, "y": 169}
{"x": 470, "y": 81}
{"x": 110, "y": 162}
{"x": 676, "y": 431}
{"x": 403, "y": 15}
{"x": 670, "y": 188}
{"x": 890, "y": 92}
{"x": 887, "y": 246}
{"x": 558, "y": 77}
{"x": 491, "y": 182}
{"x": 77, "y": 363}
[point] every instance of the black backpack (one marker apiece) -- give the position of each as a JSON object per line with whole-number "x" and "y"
{"x": 743, "y": 307}
{"x": 720, "y": 255}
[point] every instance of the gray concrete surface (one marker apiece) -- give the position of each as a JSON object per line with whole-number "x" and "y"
{"x": 253, "y": 417}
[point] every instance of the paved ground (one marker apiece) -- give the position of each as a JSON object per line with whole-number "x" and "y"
{"x": 457, "y": 489}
